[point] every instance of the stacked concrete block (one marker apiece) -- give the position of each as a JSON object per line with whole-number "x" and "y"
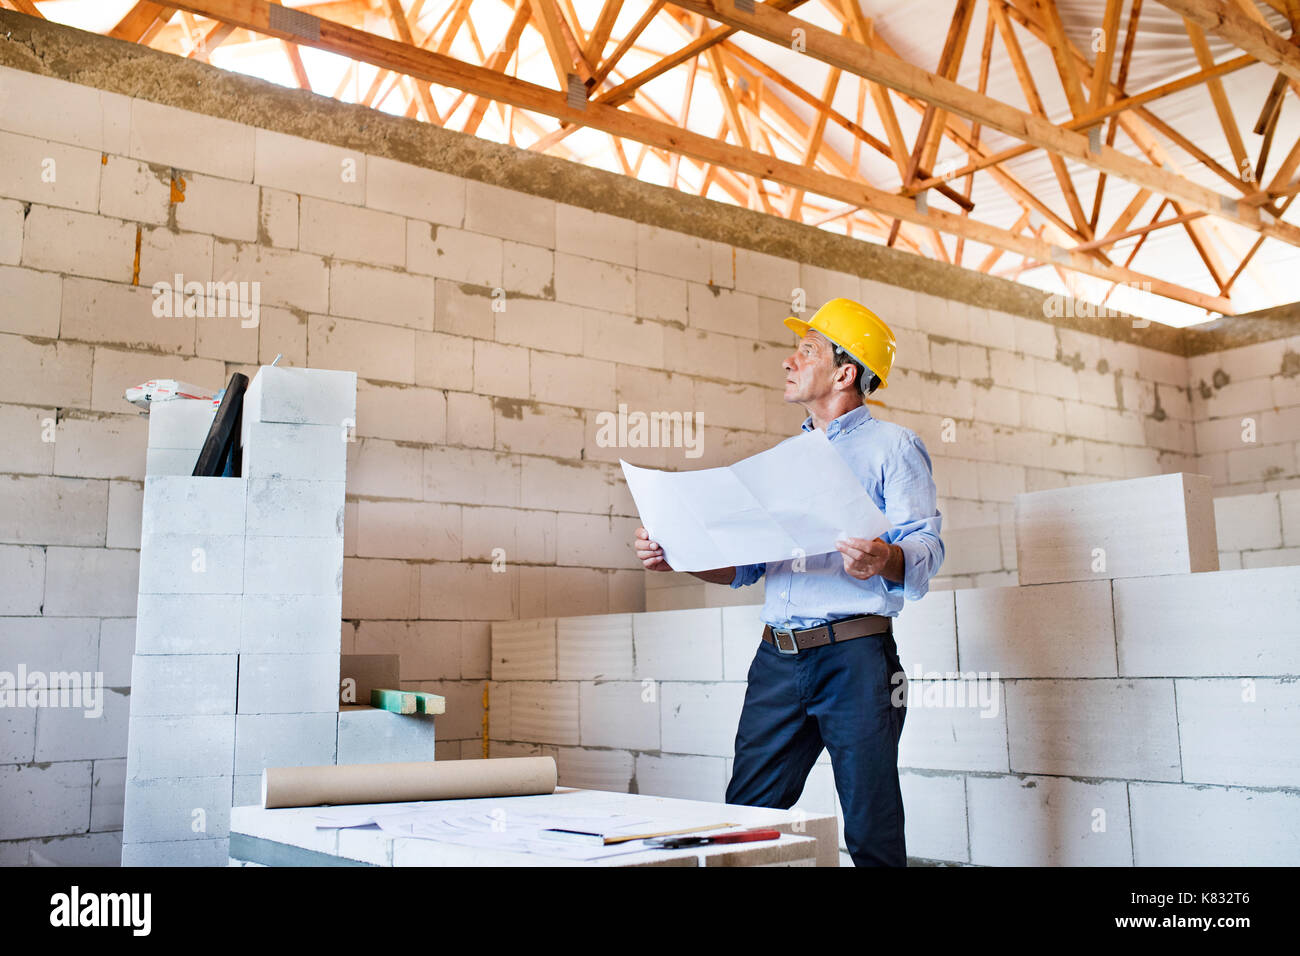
{"x": 1259, "y": 530}
{"x": 674, "y": 592}
{"x": 1159, "y": 525}
{"x": 177, "y": 430}
{"x": 238, "y": 645}
{"x": 1039, "y": 717}
{"x": 180, "y": 754}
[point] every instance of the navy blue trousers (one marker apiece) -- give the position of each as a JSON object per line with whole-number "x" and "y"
{"x": 841, "y": 697}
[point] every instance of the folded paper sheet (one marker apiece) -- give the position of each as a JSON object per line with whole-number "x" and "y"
{"x": 795, "y": 499}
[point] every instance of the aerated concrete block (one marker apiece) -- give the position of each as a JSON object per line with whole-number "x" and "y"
{"x": 1048, "y": 821}
{"x": 544, "y": 712}
{"x": 609, "y": 770}
{"x": 247, "y": 790}
{"x": 1050, "y": 630}
{"x": 180, "y": 747}
{"x": 187, "y": 624}
{"x": 295, "y": 508}
{"x": 288, "y": 683}
{"x": 524, "y": 650}
{"x": 1208, "y": 625}
{"x": 1124, "y": 729}
{"x": 303, "y": 396}
{"x": 180, "y": 424}
{"x": 1179, "y": 825}
{"x": 43, "y": 800}
{"x": 283, "y": 740}
{"x": 17, "y": 734}
{"x": 183, "y": 685}
{"x": 622, "y": 714}
{"x": 1117, "y": 529}
{"x": 699, "y": 718}
{"x": 947, "y": 731}
{"x": 925, "y": 632}
{"x": 678, "y": 645}
{"x": 176, "y": 462}
{"x": 370, "y": 735}
{"x": 95, "y": 730}
{"x": 177, "y": 853}
{"x": 594, "y": 646}
{"x": 742, "y": 632}
{"x": 213, "y": 506}
{"x": 309, "y": 452}
{"x": 275, "y": 565}
{"x": 1244, "y": 732}
{"x": 192, "y": 563}
{"x": 685, "y": 776}
{"x": 935, "y": 819}
{"x": 107, "y": 793}
{"x": 290, "y": 624}
{"x": 168, "y": 809}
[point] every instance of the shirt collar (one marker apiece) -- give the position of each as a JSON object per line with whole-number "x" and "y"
{"x": 842, "y": 425}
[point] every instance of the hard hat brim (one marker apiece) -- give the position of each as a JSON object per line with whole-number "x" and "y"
{"x": 800, "y": 328}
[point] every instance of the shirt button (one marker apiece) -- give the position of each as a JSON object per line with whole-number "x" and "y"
{"x": 783, "y": 593}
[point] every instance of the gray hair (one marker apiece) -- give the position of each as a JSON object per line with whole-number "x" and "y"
{"x": 866, "y": 381}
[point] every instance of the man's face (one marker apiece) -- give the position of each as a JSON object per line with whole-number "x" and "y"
{"x": 810, "y": 370}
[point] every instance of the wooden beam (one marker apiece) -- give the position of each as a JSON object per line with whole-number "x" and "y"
{"x": 1250, "y": 253}
{"x": 1035, "y": 102}
{"x": 777, "y": 27}
{"x": 1111, "y": 110}
{"x": 1101, "y": 71}
{"x": 438, "y": 68}
{"x": 498, "y": 61}
{"x": 1220, "y": 98}
{"x": 1230, "y": 22}
{"x": 1060, "y": 49}
{"x": 814, "y": 138}
{"x": 295, "y": 63}
{"x": 949, "y": 59}
{"x": 1112, "y": 238}
{"x": 625, "y": 90}
{"x": 995, "y": 254}
{"x": 1130, "y": 36}
{"x": 604, "y": 25}
{"x": 625, "y": 44}
{"x": 398, "y": 17}
{"x": 1198, "y": 231}
{"x": 137, "y": 21}
{"x": 547, "y": 20}
{"x": 211, "y": 40}
{"x": 986, "y": 56}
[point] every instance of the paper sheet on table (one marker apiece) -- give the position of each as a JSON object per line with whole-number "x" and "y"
{"x": 799, "y": 497}
{"x": 504, "y": 829}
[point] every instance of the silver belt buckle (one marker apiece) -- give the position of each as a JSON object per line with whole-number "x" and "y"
{"x": 778, "y": 633}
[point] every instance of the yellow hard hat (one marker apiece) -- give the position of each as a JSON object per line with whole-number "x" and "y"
{"x": 857, "y": 330}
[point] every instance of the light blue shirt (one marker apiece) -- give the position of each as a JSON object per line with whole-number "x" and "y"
{"x": 894, "y": 467}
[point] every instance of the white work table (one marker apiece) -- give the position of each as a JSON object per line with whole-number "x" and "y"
{"x": 290, "y": 837}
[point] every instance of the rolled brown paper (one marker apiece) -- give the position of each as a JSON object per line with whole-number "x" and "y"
{"x": 407, "y": 782}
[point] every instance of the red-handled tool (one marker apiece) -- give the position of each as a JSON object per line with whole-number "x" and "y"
{"x": 743, "y": 836}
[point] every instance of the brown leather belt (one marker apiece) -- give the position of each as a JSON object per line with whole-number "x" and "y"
{"x": 792, "y": 641}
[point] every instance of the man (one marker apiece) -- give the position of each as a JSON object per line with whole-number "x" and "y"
{"x": 826, "y": 673}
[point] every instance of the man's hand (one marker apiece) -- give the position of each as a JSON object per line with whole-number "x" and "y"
{"x": 865, "y": 559}
{"x": 651, "y": 555}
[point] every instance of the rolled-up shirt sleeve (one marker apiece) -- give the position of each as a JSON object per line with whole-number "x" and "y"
{"x": 747, "y": 574}
{"x": 911, "y": 505}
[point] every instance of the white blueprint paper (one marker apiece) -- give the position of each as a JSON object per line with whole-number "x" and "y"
{"x": 796, "y": 498}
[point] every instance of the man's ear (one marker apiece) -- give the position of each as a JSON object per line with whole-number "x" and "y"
{"x": 839, "y": 375}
